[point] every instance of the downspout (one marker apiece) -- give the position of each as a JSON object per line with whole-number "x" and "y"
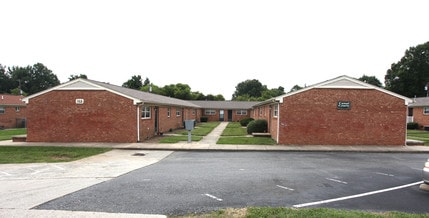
{"x": 138, "y": 122}
{"x": 278, "y": 121}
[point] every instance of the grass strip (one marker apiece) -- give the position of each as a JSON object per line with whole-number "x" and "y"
{"x": 45, "y": 154}
{"x": 246, "y": 141}
{"x": 175, "y": 139}
{"x": 7, "y": 134}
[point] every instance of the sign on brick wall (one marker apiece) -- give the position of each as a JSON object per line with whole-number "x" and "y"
{"x": 344, "y": 105}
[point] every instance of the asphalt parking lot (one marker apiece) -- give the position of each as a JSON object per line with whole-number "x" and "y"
{"x": 194, "y": 182}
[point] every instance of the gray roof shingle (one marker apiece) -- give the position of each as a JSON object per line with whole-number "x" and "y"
{"x": 225, "y": 104}
{"x": 420, "y": 102}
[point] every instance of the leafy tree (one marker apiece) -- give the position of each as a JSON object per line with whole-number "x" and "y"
{"x": 296, "y": 88}
{"x": 371, "y": 80}
{"x": 410, "y": 75}
{"x": 251, "y": 88}
{"x": 135, "y": 82}
{"x": 75, "y": 76}
{"x": 5, "y": 80}
{"x": 146, "y": 82}
{"x": 179, "y": 90}
{"x": 33, "y": 79}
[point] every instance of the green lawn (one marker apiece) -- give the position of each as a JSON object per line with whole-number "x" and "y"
{"x": 419, "y": 135}
{"x": 6, "y": 134}
{"x": 234, "y": 129}
{"x": 48, "y": 154}
{"x": 200, "y": 130}
{"x": 270, "y": 212}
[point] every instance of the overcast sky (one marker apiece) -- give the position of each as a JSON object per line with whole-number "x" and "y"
{"x": 212, "y": 45}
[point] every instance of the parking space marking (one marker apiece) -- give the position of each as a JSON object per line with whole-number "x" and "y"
{"x": 356, "y": 196}
{"x": 283, "y": 187}
{"x": 336, "y": 180}
{"x": 6, "y": 174}
{"x": 213, "y": 197}
{"x": 384, "y": 174}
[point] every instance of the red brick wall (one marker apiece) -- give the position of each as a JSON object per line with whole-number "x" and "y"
{"x": 103, "y": 117}
{"x": 312, "y": 118}
{"x": 419, "y": 117}
{"x": 10, "y": 116}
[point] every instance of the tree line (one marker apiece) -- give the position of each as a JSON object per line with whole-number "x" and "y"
{"x": 409, "y": 77}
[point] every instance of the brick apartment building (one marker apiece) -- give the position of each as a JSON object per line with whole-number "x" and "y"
{"x": 341, "y": 111}
{"x": 12, "y": 111}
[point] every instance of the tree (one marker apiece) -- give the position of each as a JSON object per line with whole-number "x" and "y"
{"x": 371, "y": 80}
{"x": 250, "y": 88}
{"x": 134, "y": 83}
{"x": 75, "y": 76}
{"x": 410, "y": 75}
{"x": 33, "y": 79}
{"x": 5, "y": 80}
{"x": 295, "y": 88}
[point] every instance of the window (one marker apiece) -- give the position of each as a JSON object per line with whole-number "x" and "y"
{"x": 178, "y": 112}
{"x": 260, "y": 111}
{"x": 2, "y": 110}
{"x": 276, "y": 110}
{"x": 17, "y": 109}
{"x": 194, "y": 111}
{"x": 146, "y": 112}
{"x": 210, "y": 112}
{"x": 168, "y": 111}
{"x": 241, "y": 112}
{"x": 426, "y": 110}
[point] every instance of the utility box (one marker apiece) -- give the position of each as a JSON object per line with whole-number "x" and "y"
{"x": 189, "y": 124}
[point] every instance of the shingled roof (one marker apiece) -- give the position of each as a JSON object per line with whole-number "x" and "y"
{"x": 226, "y": 104}
{"x": 11, "y": 100}
{"x": 420, "y": 102}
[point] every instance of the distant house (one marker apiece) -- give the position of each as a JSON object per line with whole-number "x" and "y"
{"x": 341, "y": 111}
{"x": 90, "y": 111}
{"x": 225, "y": 110}
{"x": 418, "y": 112}
{"x": 12, "y": 111}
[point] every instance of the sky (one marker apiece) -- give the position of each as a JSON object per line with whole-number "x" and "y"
{"x": 212, "y": 45}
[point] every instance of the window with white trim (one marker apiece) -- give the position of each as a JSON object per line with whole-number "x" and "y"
{"x": 146, "y": 111}
{"x": 2, "y": 110}
{"x": 276, "y": 110}
{"x": 209, "y": 111}
{"x": 241, "y": 112}
{"x": 178, "y": 112}
{"x": 168, "y": 111}
{"x": 194, "y": 111}
{"x": 426, "y": 110}
{"x": 17, "y": 109}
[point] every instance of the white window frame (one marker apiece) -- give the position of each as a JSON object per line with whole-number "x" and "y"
{"x": 241, "y": 112}
{"x": 178, "y": 112}
{"x": 426, "y": 110}
{"x": 276, "y": 110}
{"x": 2, "y": 110}
{"x": 17, "y": 108}
{"x": 168, "y": 111}
{"x": 146, "y": 112}
{"x": 210, "y": 112}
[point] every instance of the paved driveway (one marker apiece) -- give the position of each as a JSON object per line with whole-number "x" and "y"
{"x": 24, "y": 186}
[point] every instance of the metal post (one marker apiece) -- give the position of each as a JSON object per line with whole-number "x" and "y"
{"x": 189, "y": 136}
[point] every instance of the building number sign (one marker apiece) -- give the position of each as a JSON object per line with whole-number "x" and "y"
{"x": 79, "y": 100}
{"x": 344, "y": 105}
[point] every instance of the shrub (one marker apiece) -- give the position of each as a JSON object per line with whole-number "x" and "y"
{"x": 412, "y": 125}
{"x": 257, "y": 126}
{"x": 246, "y": 121}
{"x": 204, "y": 119}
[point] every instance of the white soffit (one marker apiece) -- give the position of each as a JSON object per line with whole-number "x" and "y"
{"x": 344, "y": 83}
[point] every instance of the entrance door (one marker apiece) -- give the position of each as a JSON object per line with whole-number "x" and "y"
{"x": 221, "y": 115}
{"x": 156, "y": 120}
{"x": 229, "y": 115}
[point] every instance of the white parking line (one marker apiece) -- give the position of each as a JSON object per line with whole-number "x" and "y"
{"x": 336, "y": 180}
{"x": 6, "y": 174}
{"x": 384, "y": 174}
{"x": 214, "y": 197}
{"x": 283, "y": 187}
{"x": 356, "y": 196}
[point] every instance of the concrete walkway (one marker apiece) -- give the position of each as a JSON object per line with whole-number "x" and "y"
{"x": 23, "y": 186}
{"x": 208, "y": 143}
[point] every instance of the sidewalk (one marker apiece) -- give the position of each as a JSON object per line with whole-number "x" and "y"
{"x": 208, "y": 143}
